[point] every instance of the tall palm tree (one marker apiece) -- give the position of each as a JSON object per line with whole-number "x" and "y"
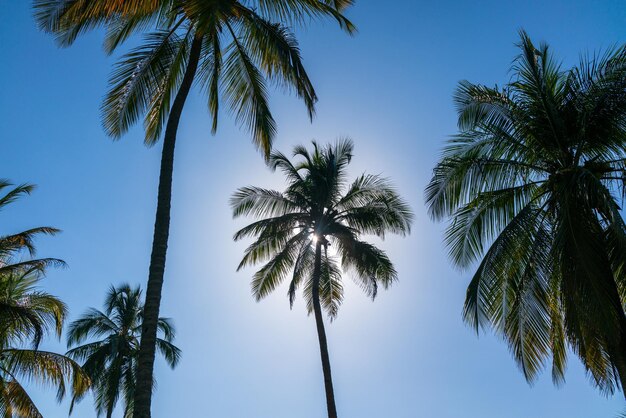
{"x": 26, "y": 316}
{"x": 532, "y": 184}
{"x": 315, "y": 212}
{"x": 111, "y": 361}
{"x": 229, "y": 48}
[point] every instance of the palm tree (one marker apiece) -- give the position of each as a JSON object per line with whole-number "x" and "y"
{"x": 26, "y": 315}
{"x": 229, "y": 48}
{"x": 532, "y": 184}
{"x": 111, "y": 362}
{"x": 12, "y": 316}
{"x": 316, "y": 211}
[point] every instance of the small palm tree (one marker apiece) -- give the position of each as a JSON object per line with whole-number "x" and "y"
{"x": 231, "y": 49}
{"x": 111, "y": 362}
{"x": 532, "y": 184}
{"x": 314, "y": 213}
{"x": 12, "y": 316}
{"x": 26, "y": 316}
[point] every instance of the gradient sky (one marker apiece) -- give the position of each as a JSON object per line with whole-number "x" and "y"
{"x": 389, "y": 88}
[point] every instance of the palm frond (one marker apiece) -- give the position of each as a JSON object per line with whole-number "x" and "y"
{"x": 143, "y": 79}
{"x": 11, "y": 244}
{"x": 111, "y": 361}
{"x": 299, "y": 11}
{"x": 92, "y": 323}
{"x": 15, "y": 401}
{"x": 166, "y": 326}
{"x": 259, "y": 202}
{"x": 270, "y": 241}
{"x": 209, "y": 74}
{"x": 271, "y": 274}
{"x": 483, "y": 219}
{"x": 169, "y": 351}
{"x": 46, "y": 367}
{"x": 375, "y": 209}
{"x": 317, "y": 210}
{"x": 371, "y": 265}
{"x": 15, "y": 193}
{"x": 67, "y": 19}
{"x": 534, "y": 176}
{"x": 246, "y": 93}
{"x": 276, "y": 49}
{"x": 302, "y": 269}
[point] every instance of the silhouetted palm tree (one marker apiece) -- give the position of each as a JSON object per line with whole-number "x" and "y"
{"x": 26, "y": 315}
{"x": 532, "y": 184}
{"x": 317, "y": 211}
{"x": 111, "y": 362}
{"x": 229, "y": 48}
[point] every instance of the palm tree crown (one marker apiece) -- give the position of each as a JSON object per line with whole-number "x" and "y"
{"x": 111, "y": 361}
{"x": 532, "y": 184}
{"x": 27, "y": 314}
{"x": 235, "y": 48}
{"x": 317, "y": 211}
{"x": 229, "y": 48}
{"x": 317, "y": 208}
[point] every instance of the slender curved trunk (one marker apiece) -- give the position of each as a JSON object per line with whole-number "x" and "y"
{"x": 143, "y": 392}
{"x": 321, "y": 333}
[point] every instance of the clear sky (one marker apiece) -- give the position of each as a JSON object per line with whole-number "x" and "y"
{"x": 408, "y": 354}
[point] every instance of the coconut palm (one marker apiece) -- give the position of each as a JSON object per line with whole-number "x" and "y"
{"x": 27, "y": 314}
{"x": 12, "y": 316}
{"x": 317, "y": 211}
{"x": 532, "y": 184}
{"x": 111, "y": 361}
{"x": 230, "y": 49}
{"x": 36, "y": 314}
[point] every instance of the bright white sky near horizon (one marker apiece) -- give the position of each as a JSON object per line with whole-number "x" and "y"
{"x": 408, "y": 354}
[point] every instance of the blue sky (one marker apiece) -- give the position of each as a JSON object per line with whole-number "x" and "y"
{"x": 389, "y": 88}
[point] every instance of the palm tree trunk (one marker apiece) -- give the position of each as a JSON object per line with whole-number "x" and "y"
{"x": 321, "y": 333}
{"x": 143, "y": 393}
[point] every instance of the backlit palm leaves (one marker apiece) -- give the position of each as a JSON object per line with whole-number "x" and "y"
{"x": 241, "y": 45}
{"x": 313, "y": 230}
{"x": 26, "y": 315}
{"x": 231, "y": 49}
{"x": 533, "y": 183}
{"x": 111, "y": 361}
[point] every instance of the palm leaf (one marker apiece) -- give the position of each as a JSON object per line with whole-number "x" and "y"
{"x": 246, "y": 93}
{"x": 142, "y": 79}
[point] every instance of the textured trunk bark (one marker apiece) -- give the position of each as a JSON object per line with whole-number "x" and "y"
{"x": 143, "y": 392}
{"x": 321, "y": 333}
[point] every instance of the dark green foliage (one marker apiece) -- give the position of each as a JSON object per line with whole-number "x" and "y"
{"x": 532, "y": 184}
{"x": 232, "y": 49}
{"x": 111, "y": 360}
{"x": 319, "y": 205}
{"x": 27, "y": 314}
{"x": 317, "y": 211}
{"x": 243, "y": 48}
